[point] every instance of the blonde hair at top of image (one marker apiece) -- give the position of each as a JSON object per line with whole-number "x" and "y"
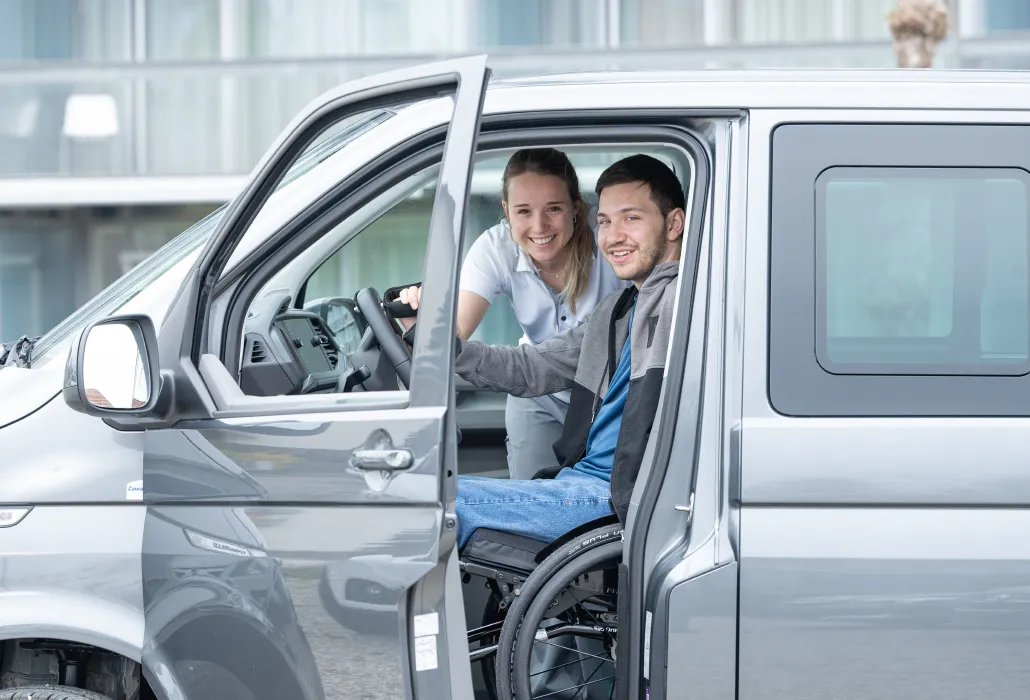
{"x": 551, "y": 161}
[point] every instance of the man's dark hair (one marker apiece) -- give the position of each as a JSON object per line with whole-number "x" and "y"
{"x": 666, "y": 190}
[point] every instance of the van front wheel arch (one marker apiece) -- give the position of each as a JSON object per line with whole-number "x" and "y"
{"x": 49, "y": 692}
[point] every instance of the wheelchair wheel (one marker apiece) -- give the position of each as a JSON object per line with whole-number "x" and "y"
{"x": 558, "y": 638}
{"x": 491, "y": 615}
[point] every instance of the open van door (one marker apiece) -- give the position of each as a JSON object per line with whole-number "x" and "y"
{"x": 302, "y": 546}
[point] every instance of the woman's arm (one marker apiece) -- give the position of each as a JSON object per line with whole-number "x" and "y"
{"x": 471, "y": 310}
{"x": 482, "y": 279}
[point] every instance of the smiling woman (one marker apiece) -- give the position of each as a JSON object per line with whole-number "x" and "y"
{"x": 543, "y": 257}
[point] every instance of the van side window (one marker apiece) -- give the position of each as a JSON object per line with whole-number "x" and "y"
{"x": 922, "y": 270}
{"x": 899, "y": 281}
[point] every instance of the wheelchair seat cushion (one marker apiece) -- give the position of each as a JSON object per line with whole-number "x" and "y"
{"x": 502, "y": 549}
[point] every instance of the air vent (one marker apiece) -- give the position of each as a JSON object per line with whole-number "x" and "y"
{"x": 327, "y": 346}
{"x": 258, "y": 353}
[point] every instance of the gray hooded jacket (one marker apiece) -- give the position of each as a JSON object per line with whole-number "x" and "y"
{"x": 582, "y": 360}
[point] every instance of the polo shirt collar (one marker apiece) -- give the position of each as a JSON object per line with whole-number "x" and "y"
{"x": 524, "y": 263}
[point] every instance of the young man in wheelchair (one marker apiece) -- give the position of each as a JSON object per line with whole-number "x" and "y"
{"x": 613, "y": 363}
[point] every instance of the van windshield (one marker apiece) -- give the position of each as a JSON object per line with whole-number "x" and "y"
{"x": 133, "y": 282}
{"x": 130, "y": 285}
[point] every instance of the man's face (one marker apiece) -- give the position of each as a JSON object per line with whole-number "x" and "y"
{"x": 632, "y": 232}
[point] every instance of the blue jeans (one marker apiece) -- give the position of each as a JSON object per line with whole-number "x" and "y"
{"x": 541, "y": 509}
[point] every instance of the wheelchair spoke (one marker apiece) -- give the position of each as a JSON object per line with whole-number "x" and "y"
{"x": 573, "y": 687}
{"x": 593, "y": 673}
{"x": 580, "y": 598}
{"x": 591, "y": 614}
{"x": 555, "y": 668}
{"x": 604, "y": 599}
{"x": 588, "y": 611}
{"x": 574, "y": 651}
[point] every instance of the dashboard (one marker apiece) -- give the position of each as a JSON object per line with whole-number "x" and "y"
{"x": 289, "y": 351}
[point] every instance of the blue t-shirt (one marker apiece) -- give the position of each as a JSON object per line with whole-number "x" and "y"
{"x": 604, "y": 433}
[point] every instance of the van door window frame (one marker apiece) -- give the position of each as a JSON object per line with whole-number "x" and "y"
{"x": 391, "y": 168}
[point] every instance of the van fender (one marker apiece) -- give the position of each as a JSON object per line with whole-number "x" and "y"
{"x": 72, "y": 617}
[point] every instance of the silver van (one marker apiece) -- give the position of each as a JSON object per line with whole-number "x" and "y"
{"x": 227, "y": 477}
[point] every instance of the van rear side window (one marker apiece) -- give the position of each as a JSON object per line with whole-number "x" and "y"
{"x": 899, "y": 270}
{"x": 922, "y": 269}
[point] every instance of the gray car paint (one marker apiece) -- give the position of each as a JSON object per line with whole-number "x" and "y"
{"x": 895, "y": 577}
{"x": 256, "y": 610}
{"x": 884, "y": 603}
{"x": 71, "y": 568}
{"x": 277, "y": 491}
{"x": 24, "y": 390}
{"x": 704, "y": 636}
{"x": 878, "y": 558}
{"x": 60, "y": 456}
{"x": 86, "y": 588}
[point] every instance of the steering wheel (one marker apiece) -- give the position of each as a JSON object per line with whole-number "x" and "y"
{"x": 390, "y": 343}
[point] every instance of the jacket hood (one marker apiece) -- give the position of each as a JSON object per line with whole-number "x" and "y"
{"x": 660, "y": 277}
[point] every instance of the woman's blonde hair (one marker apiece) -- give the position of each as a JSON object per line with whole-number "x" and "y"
{"x": 551, "y": 161}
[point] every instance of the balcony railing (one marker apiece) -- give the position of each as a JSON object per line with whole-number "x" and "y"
{"x": 210, "y": 119}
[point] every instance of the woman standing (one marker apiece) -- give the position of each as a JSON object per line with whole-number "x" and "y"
{"x": 544, "y": 258}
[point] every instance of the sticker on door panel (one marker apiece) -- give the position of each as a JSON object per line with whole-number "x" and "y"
{"x": 647, "y": 645}
{"x": 427, "y": 624}
{"x": 134, "y": 491}
{"x": 425, "y": 653}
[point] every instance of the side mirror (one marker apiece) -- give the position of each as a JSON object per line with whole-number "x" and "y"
{"x": 114, "y": 368}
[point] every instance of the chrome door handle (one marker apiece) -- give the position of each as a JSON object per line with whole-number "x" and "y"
{"x": 388, "y": 460}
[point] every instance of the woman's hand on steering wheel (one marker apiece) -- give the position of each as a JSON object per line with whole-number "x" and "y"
{"x": 410, "y": 296}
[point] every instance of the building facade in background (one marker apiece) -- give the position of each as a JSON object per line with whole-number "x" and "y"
{"x": 122, "y": 122}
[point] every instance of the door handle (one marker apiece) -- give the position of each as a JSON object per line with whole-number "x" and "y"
{"x": 388, "y": 460}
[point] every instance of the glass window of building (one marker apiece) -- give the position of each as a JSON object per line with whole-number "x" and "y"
{"x": 1006, "y": 15}
{"x": 552, "y": 23}
{"x": 662, "y": 22}
{"x": 64, "y": 30}
{"x": 52, "y": 261}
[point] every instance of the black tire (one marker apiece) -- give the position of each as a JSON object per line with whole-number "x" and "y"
{"x": 49, "y": 692}
{"x": 595, "y": 549}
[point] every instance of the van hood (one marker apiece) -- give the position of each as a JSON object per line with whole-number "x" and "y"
{"x": 23, "y": 391}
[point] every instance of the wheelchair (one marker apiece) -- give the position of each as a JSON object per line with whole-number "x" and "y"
{"x": 550, "y": 623}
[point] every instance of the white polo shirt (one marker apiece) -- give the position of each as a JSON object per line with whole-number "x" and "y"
{"x": 495, "y": 265}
